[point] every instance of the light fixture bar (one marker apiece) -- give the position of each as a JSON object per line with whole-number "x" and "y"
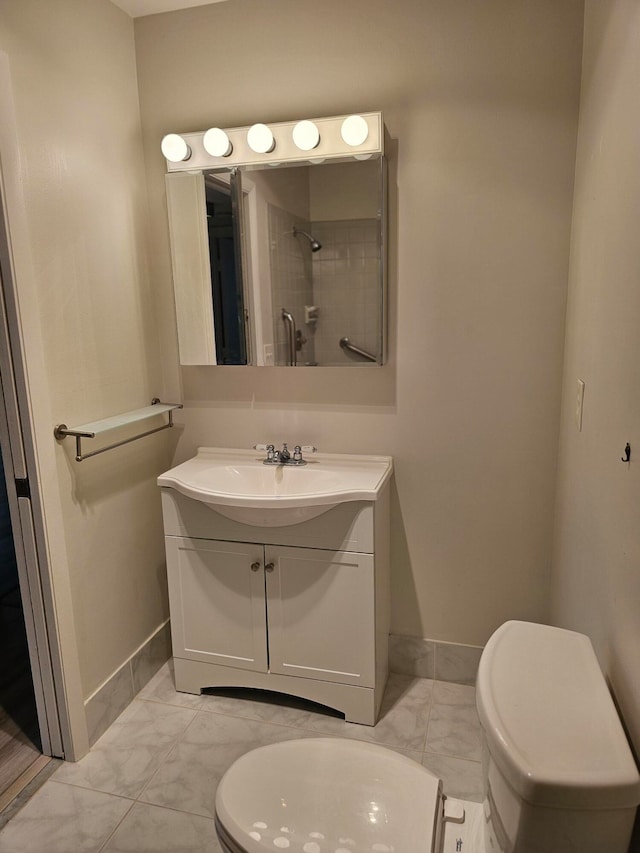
{"x": 287, "y": 145}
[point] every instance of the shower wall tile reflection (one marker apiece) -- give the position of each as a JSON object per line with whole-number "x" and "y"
{"x": 346, "y": 288}
{"x": 291, "y": 282}
{"x": 341, "y": 280}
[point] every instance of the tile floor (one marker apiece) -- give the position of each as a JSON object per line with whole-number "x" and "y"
{"x": 148, "y": 785}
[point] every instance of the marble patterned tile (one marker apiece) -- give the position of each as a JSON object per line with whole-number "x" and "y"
{"x": 10, "y": 810}
{"x": 403, "y": 689}
{"x": 412, "y": 656}
{"x": 413, "y": 754}
{"x": 109, "y": 702}
{"x": 457, "y": 663}
{"x": 62, "y": 818}
{"x": 403, "y": 716}
{"x": 461, "y": 778}
{"x": 170, "y": 749}
{"x": 150, "y": 829}
{"x": 129, "y": 753}
{"x": 151, "y": 723}
{"x": 447, "y": 693}
{"x": 454, "y": 730}
{"x": 402, "y": 722}
{"x": 149, "y": 659}
{"x": 161, "y": 688}
{"x": 188, "y": 777}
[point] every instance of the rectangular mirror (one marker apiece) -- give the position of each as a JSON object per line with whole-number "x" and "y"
{"x": 280, "y": 265}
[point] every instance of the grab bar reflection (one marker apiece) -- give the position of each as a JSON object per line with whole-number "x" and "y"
{"x": 345, "y": 343}
{"x": 291, "y": 335}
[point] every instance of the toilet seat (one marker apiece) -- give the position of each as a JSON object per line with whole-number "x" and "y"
{"x": 327, "y": 795}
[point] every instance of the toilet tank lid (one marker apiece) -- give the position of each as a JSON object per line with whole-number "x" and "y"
{"x": 550, "y": 722}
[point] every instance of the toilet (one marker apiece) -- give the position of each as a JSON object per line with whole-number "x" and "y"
{"x": 558, "y": 771}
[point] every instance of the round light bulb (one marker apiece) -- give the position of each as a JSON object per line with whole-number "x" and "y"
{"x": 217, "y": 143}
{"x": 354, "y": 130}
{"x": 306, "y": 135}
{"x": 175, "y": 148}
{"x": 260, "y": 139}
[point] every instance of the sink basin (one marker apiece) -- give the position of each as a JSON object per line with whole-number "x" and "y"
{"x": 236, "y": 484}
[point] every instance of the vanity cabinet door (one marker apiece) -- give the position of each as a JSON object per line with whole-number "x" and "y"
{"x": 217, "y": 602}
{"x": 321, "y": 612}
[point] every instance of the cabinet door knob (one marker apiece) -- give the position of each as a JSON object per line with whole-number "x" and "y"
{"x": 269, "y": 567}
{"x": 255, "y": 566}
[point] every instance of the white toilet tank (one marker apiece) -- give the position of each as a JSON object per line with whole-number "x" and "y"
{"x": 559, "y": 772}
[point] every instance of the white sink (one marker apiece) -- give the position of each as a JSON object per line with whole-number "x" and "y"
{"x": 239, "y": 486}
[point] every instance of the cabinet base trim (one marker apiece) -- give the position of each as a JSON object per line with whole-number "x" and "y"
{"x": 358, "y": 704}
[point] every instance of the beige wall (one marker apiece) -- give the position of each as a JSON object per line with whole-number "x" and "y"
{"x": 83, "y": 255}
{"x": 596, "y": 578}
{"x": 480, "y": 100}
{"x": 345, "y": 191}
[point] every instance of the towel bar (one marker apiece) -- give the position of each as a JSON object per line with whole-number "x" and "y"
{"x": 91, "y": 430}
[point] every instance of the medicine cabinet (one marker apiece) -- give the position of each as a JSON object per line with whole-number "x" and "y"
{"x": 279, "y": 258}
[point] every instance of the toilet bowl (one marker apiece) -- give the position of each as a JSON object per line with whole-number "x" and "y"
{"x": 559, "y": 774}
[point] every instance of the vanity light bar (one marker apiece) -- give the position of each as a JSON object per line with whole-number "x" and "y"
{"x": 358, "y": 136}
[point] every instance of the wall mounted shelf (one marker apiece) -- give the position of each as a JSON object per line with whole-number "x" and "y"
{"x": 97, "y": 428}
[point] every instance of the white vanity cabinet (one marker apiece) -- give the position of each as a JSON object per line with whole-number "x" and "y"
{"x": 301, "y": 609}
{"x": 218, "y": 612}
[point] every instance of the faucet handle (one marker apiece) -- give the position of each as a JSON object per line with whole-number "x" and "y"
{"x": 269, "y": 449}
{"x": 297, "y": 453}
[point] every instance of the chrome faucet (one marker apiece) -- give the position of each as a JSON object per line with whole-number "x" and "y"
{"x": 284, "y": 457}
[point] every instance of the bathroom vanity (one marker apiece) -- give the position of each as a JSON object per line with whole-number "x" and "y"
{"x": 279, "y": 578}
